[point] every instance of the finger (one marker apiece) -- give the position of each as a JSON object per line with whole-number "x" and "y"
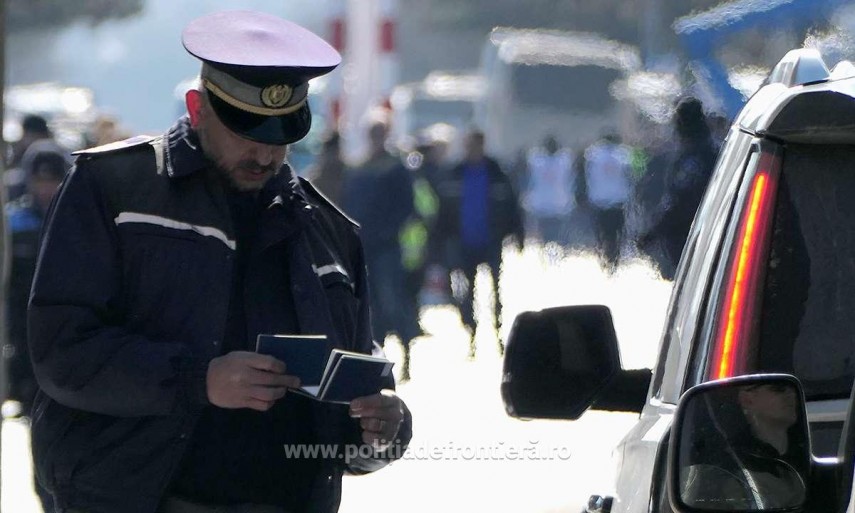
{"x": 259, "y": 405}
{"x": 375, "y": 440}
{"x": 265, "y": 362}
{"x": 268, "y": 394}
{"x": 271, "y": 379}
{"x": 374, "y": 425}
{"x": 392, "y": 413}
{"x": 362, "y": 405}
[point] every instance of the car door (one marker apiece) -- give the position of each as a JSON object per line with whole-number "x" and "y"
{"x": 637, "y": 456}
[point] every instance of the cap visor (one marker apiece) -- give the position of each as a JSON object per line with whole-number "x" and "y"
{"x": 274, "y": 130}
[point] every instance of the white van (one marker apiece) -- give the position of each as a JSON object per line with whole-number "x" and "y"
{"x": 543, "y": 82}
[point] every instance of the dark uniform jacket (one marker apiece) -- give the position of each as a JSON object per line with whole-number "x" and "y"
{"x": 129, "y": 305}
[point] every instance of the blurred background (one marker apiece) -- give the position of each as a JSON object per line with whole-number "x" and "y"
{"x": 433, "y": 60}
{"x": 551, "y": 84}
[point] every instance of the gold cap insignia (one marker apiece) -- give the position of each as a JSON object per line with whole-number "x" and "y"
{"x": 276, "y": 95}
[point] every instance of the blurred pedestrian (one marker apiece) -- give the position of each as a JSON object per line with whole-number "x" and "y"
{"x": 327, "y": 173}
{"x": 429, "y": 280}
{"x": 33, "y": 128}
{"x": 163, "y": 259}
{"x": 45, "y": 165}
{"x": 549, "y": 196}
{"x": 425, "y": 164}
{"x": 478, "y": 211}
{"x": 433, "y": 148}
{"x": 378, "y": 194}
{"x": 608, "y": 179}
{"x": 687, "y": 171}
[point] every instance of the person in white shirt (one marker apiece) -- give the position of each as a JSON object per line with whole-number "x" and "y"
{"x": 608, "y": 176}
{"x": 548, "y": 199}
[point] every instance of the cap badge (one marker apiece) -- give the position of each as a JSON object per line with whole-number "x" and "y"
{"x": 276, "y": 96}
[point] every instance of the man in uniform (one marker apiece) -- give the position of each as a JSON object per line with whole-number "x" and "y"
{"x": 162, "y": 260}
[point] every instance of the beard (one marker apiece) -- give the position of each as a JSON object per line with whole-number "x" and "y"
{"x": 230, "y": 173}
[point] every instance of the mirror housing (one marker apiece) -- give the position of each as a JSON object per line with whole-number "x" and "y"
{"x": 561, "y": 361}
{"x": 740, "y": 444}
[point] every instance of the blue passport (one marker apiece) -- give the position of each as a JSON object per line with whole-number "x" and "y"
{"x": 305, "y": 356}
{"x": 335, "y": 375}
{"x": 349, "y": 375}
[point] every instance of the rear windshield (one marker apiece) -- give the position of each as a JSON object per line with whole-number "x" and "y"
{"x": 807, "y": 327}
{"x": 572, "y": 88}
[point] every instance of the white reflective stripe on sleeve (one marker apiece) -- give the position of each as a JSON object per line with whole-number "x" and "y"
{"x": 207, "y": 231}
{"x": 332, "y": 268}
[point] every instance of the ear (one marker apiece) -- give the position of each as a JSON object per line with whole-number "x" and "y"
{"x": 193, "y": 98}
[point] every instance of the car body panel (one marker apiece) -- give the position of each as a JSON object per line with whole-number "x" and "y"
{"x": 801, "y": 137}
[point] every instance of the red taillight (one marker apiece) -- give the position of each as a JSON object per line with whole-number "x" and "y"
{"x": 746, "y": 269}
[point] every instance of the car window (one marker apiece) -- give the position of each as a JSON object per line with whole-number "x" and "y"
{"x": 700, "y": 256}
{"x": 544, "y": 85}
{"x": 808, "y": 314}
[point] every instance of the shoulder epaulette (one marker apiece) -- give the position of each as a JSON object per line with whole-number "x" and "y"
{"x": 317, "y": 195}
{"x": 118, "y": 146}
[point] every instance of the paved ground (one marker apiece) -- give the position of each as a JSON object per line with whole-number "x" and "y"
{"x": 466, "y": 454}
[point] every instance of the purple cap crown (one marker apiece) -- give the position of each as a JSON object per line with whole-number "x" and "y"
{"x": 257, "y": 67}
{"x": 248, "y": 38}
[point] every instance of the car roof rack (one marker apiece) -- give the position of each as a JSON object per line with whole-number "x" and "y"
{"x": 800, "y": 67}
{"x": 843, "y": 69}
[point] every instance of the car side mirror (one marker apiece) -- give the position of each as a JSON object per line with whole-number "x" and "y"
{"x": 561, "y": 361}
{"x": 740, "y": 444}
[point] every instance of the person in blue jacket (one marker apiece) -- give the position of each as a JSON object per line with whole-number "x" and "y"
{"x": 479, "y": 210}
{"x": 162, "y": 260}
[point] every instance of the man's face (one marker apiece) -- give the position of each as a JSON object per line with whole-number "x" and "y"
{"x": 771, "y": 404}
{"x": 248, "y": 165}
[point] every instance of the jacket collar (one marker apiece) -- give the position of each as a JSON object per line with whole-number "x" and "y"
{"x": 183, "y": 156}
{"x": 182, "y": 153}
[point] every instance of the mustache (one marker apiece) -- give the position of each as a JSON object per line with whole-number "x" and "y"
{"x": 255, "y": 167}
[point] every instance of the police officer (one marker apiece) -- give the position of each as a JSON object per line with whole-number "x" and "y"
{"x": 162, "y": 261}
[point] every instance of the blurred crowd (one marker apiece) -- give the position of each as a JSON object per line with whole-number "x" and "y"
{"x": 432, "y": 220}
{"x": 433, "y": 217}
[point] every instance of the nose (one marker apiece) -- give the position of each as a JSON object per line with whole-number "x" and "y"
{"x": 264, "y": 154}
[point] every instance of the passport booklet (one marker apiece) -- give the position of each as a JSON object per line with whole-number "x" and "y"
{"x": 331, "y": 375}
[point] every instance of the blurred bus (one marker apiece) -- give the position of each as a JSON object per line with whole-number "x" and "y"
{"x": 545, "y": 82}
